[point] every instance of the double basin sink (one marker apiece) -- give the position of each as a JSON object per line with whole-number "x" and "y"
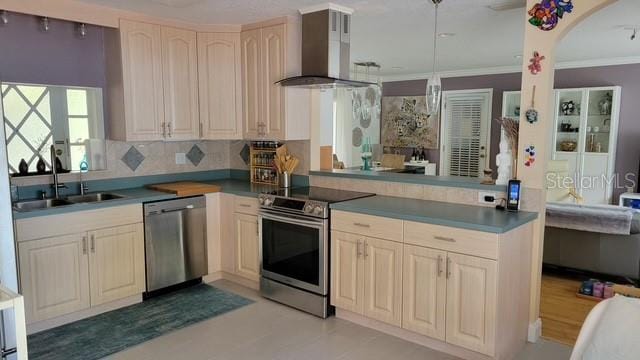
{"x": 25, "y": 206}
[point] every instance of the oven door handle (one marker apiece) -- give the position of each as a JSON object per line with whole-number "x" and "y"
{"x": 292, "y": 220}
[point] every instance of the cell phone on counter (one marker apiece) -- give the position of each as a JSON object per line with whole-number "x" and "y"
{"x": 513, "y": 195}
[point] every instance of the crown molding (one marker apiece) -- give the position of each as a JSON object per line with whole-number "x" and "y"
{"x": 514, "y": 69}
{"x": 326, "y": 6}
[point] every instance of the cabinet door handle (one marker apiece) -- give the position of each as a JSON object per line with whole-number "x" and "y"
{"x": 245, "y": 205}
{"x": 93, "y": 243}
{"x": 442, "y": 238}
{"x": 362, "y": 225}
{"x": 170, "y": 127}
{"x": 358, "y": 251}
{"x": 448, "y": 267}
{"x": 440, "y": 260}
{"x": 201, "y": 130}
{"x": 164, "y": 129}
{"x": 84, "y": 245}
{"x": 366, "y": 252}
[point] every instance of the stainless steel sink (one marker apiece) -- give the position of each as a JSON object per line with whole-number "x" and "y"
{"x": 95, "y": 197}
{"x": 25, "y": 206}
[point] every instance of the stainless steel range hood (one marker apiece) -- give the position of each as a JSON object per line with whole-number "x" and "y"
{"x": 326, "y": 37}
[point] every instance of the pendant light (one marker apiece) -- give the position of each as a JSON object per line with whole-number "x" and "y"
{"x": 434, "y": 85}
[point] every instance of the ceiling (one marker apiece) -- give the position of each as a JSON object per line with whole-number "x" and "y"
{"x": 398, "y": 34}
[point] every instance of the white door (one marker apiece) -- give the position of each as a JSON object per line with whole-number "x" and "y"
{"x": 465, "y": 132}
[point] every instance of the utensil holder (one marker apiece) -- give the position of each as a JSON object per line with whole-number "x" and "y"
{"x": 285, "y": 180}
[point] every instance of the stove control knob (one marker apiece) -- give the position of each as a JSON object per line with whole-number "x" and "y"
{"x": 268, "y": 202}
{"x": 317, "y": 210}
{"x": 261, "y": 200}
{"x": 308, "y": 208}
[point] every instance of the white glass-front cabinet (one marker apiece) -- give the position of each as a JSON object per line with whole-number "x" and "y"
{"x": 510, "y": 106}
{"x": 585, "y": 135}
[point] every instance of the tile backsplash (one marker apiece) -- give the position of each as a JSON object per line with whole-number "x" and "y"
{"x": 126, "y": 159}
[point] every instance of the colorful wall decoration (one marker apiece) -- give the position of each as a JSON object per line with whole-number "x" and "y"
{"x": 535, "y": 63}
{"x": 529, "y": 156}
{"x": 547, "y": 13}
{"x": 405, "y": 123}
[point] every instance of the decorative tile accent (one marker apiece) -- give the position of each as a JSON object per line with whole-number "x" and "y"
{"x": 133, "y": 158}
{"x": 245, "y": 153}
{"x": 195, "y": 155}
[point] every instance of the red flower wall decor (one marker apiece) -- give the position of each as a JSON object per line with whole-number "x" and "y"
{"x": 546, "y": 14}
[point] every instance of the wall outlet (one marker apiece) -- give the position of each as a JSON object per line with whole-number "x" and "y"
{"x": 483, "y": 194}
{"x": 181, "y": 158}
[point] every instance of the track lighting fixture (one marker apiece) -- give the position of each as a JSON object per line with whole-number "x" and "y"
{"x": 4, "y": 17}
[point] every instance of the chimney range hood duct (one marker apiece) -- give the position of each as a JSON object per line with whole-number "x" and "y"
{"x": 325, "y": 50}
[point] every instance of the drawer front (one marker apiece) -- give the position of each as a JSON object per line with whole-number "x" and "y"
{"x": 368, "y": 225}
{"x": 77, "y": 222}
{"x": 246, "y": 205}
{"x": 461, "y": 241}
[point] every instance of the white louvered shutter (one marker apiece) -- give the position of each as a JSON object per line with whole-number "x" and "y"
{"x": 464, "y": 115}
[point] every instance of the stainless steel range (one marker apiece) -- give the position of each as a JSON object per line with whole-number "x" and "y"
{"x": 294, "y": 238}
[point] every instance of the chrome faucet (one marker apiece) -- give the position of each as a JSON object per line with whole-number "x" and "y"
{"x": 56, "y": 184}
{"x": 83, "y": 188}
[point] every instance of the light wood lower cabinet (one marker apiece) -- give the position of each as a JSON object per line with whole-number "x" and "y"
{"x": 347, "y": 286}
{"x": 383, "y": 280}
{"x": 247, "y": 246}
{"x": 116, "y": 263}
{"x": 443, "y": 283}
{"x": 424, "y": 291}
{"x": 54, "y": 276}
{"x": 68, "y": 273}
{"x": 471, "y": 302}
{"x": 367, "y": 276}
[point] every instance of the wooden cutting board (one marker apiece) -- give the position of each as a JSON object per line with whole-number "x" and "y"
{"x": 186, "y": 188}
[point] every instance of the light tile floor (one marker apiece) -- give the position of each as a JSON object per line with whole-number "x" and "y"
{"x": 267, "y": 330}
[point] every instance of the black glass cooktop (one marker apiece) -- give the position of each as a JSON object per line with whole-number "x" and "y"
{"x": 320, "y": 194}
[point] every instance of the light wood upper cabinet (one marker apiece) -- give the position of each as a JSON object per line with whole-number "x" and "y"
{"x": 252, "y": 84}
{"x": 383, "y": 280}
{"x": 220, "y": 85}
{"x": 424, "y": 291}
{"x": 180, "y": 79}
{"x": 347, "y": 285}
{"x": 247, "y": 247}
{"x": 270, "y": 54}
{"x": 471, "y": 303}
{"x": 136, "y": 83}
{"x": 54, "y": 274}
{"x": 116, "y": 263}
{"x": 273, "y": 70}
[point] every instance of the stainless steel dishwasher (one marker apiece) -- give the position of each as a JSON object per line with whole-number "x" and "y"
{"x": 175, "y": 241}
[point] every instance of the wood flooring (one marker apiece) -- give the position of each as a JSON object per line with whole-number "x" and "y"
{"x": 562, "y": 312}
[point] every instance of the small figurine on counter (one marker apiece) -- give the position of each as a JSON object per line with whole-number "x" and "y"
{"x": 488, "y": 177}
